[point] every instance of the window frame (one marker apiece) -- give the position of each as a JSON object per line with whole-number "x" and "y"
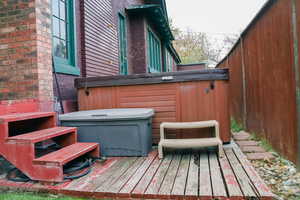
{"x": 121, "y": 61}
{"x": 168, "y": 61}
{"x": 156, "y": 50}
{"x": 69, "y": 65}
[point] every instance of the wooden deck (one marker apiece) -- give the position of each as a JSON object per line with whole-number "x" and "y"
{"x": 196, "y": 175}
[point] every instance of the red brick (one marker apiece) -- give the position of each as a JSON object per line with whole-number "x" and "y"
{"x": 24, "y": 54}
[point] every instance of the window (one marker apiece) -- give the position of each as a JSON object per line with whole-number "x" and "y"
{"x": 154, "y": 52}
{"x": 123, "y": 45}
{"x": 63, "y": 38}
{"x": 168, "y": 61}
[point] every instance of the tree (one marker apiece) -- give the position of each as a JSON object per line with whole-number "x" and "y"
{"x": 194, "y": 47}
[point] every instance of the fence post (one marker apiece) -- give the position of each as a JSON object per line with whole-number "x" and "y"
{"x": 297, "y": 75}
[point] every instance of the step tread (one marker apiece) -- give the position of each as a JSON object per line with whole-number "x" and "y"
{"x": 66, "y": 154}
{"x": 42, "y": 135}
{"x": 184, "y": 143}
{"x": 24, "y": 116}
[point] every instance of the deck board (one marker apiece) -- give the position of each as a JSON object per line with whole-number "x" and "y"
{"x": 105, "y": 186}
{"x": 217, "y": 180}
{"x": 158, "y": 178}
{"x": 130, "y": 185}
{"x": 192, "y": 180}
{"x": 119, "y": 183}
{"x": 245, "y": 183}
{"x": 260, "y": 186}
{"x": 181, "y": 178}
{"x": 205, "y": 187}
{"x": 145, "y": 181}
{"x": 232, "y": 184}
{"x": 167, "y": 185}
{"x": 184, "y": 175}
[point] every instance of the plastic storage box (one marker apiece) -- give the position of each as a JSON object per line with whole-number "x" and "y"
{"x": 120, "y": 132}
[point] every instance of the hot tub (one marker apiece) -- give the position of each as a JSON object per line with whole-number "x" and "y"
{"x": 120, "y": 132}
{"x": 175, "y": 97}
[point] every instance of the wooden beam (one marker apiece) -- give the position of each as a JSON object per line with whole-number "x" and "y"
{"x": 297, "y": 73}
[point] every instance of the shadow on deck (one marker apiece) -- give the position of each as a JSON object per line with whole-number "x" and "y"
{"x": 195, "y": 175}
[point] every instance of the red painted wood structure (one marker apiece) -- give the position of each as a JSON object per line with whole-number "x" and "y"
{"x": 19, "y": 134}
{"x": 180, "y": 175}
{"x": 176, "y": 97}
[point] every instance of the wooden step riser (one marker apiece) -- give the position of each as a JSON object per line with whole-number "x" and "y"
{"x": 43, "y": 121}
{"x": 47, "y": 172}
{"x": 20, "y": 151}
{"x": 21, "y": 156}
{"x": 62, "y": 140}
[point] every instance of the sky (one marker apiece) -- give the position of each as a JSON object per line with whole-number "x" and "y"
{"x": 213, "y": 16}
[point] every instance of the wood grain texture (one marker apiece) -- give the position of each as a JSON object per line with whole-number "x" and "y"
{"x": 192, "y": 182}
{"x": 231, "y": 182}
{"x": 172, "y": 102}
{"x": 178, "y": 176}
{"x": 217, "y": 181}
{"x": 142, "y": 186}
{"x": 99, "y": 41}
{"x": 245, "y": 183}
{"x": 158, "y": 178}
{"x": 181, "y": 177}
{"x": 270, "y": 89}
{"x": 205, "y": 185}
{"x": 136, "y": 178}
{"x": 167, "y": 185}
{"x": 104, "y": 187}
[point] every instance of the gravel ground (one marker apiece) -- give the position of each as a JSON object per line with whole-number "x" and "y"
{"x": 281, "y": 175}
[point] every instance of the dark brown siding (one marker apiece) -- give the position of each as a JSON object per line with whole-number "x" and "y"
{"x": 270, "y": 104}
{"x": 100, "y": 39}
{"x": 137, "y": 58}
{"x": 136, "y": 51}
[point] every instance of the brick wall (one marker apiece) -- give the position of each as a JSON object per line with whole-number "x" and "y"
{"x": 25, "y": 52}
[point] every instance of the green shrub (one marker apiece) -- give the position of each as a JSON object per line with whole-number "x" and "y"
{"x": 235, "y": 126}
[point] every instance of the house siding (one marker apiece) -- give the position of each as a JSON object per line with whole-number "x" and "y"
{"x": 100, "y": 39}
{"x": 262, "y": 86}
{"x": 137, "y": 57}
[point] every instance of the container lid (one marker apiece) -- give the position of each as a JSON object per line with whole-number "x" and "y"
{"x": 108, "y": 114}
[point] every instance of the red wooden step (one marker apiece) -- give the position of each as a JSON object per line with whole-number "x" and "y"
{"x": 42, "y": 135}
{"x": 24, "y": 116}
{"x": 68, "y": 153}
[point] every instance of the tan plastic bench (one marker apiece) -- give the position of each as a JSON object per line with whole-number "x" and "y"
{"x": 189, "y": 143}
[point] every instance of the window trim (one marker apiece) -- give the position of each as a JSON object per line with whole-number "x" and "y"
{"x": 68, "y": 66}
{"x": 121, "y": 15}
{"x": 168, "y": 61}
{"x": 149, "y": 67}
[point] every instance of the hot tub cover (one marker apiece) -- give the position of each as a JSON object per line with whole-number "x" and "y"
{"x": 108, "y": 114}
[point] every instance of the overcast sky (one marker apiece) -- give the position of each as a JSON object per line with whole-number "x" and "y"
{"x": 213, "y": 16}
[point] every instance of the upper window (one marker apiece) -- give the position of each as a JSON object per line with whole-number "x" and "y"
{"x": 168, "y": 61}
{"x": 123, "y": 45}
{"x": 154, "y": 52}
{"x": 63, "y": 36}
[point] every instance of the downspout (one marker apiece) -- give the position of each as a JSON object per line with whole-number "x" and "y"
{"x": 297, "y": 75}
{"x": 58, "y": 88}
